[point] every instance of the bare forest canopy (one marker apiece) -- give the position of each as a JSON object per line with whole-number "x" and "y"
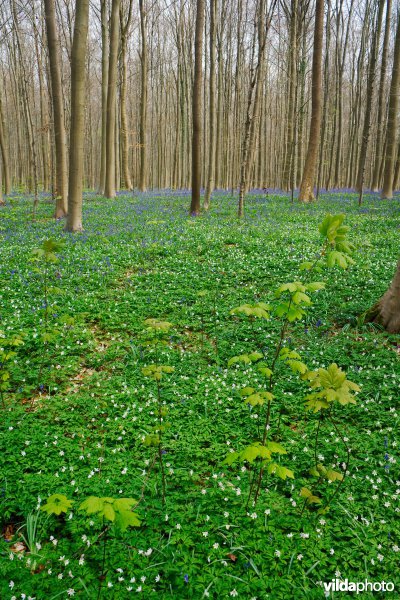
{"x": 159, "y": 69}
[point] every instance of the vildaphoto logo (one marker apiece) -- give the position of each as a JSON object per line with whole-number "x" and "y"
{"x": 338, "y": 585}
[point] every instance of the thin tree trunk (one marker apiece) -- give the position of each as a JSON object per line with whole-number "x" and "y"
{"x": 382, "y": 101}
{"x": 391, "y": 133}
{"x": 78, "y": 80}
{"x": 27, "y": 111}
{"x": 4, "y": 154}
{"x": 104, "y": 88}
{"x": 196, "y": 109}
{"x": 212, "y": 134}
{"x": 370, "y": 94}
{"x": 143, "y": 100}
{"x": 110, "y": 186}
{"x": 306, "y": 193}
{"x": 291, "y": 110}
{"x": 124, "y": 117}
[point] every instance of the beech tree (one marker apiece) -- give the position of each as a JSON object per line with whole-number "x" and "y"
{"x": 391, "y": 132}
{"x": 3, "y": 154}
{"x": 306, "y": 193}
{"x": 196, "y": 109}
{"x": 212, "y": 109}
{"x": 386, "y": 312}
{"x": 60, "y": 140}
{"x": 153, "y": 94}
{"x": 143, "y": 99}
{"x": 78, "y": 71}
{"x": 110, "y": 183}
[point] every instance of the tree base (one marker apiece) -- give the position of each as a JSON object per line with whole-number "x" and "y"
{"x": 386, "y": 311}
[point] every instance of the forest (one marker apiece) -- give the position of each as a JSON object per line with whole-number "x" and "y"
{"x": 199, "y": 299}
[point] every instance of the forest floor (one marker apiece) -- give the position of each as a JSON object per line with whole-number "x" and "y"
{"x": 80, "y": 418}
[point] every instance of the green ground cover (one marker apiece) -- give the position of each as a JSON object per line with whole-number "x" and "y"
{"x": 79, "y": 413}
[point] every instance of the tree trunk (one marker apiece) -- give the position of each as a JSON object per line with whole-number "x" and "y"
{"x": 78, "y": 81}
{"x": 196, "y": 109}
{"x": 110, "y": 186}
{"x": 370, "y": 94}
{"x": 143, "y": 101}
{"x": 255, "y": 88}
{"x": 104, "y": 87}
{"x": 212, "y": 135}
{"x": 381, "y": 101}
{"x": 4, "y": 154}
{"x": 387, "y": 311}
{"x": 307, "y": 185}
{"x": 391, "y": 132}
{"x": 60, "y": 141}
{"x": 124, "y": 117}
{"x": 1, "y": 187}
{"x": 291, "y": 110}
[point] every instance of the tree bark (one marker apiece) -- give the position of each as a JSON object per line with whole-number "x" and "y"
{"x": 143, "y": 100}
{"x": 4, "y": 154}
{"x": 387, "y": 311}
{"x": 60, "y": 140}
{"x": 370, "y": 94}
{"x": 307, "y": 185}
{"x": 381, "y": 101}
{"x": 196, "y": 109}
{"x": 104, "y": 87}
{"x": 110, "y": 185}
{"x": 292, "y": 87}
{"x": 391, "y": 132}
{"x": 78, "y": 80}
{"x": 127, "y": 181}
{"x": 212, "y": 134}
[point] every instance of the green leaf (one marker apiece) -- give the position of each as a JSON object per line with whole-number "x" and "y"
{"x": 124, "y": 503}
{"x": 151, "y": 440}
{"x": 315, "y": 403}
{"x": 288, "y": 287}
{"x": 311, "y": 499}
{"x": 250, "y": 453}
{"x": 315, "y": 286}
{"x": 231, "y": 458}
{"x": 125, "y": 519}
{"x": 246, "y": 391}
{"x": 306, "y": 266}
{"x": 300, "y": 297}
{"x": 282, "y": 309}
{"x": 279, "y": 471}
{"x": 92, "y": 505}
{"x": 266, "y": 371}
{"x": 294, "y": 314}
{"x": 57, "y": 504}
{"x": 297, "y": 366}
{"x": 244, "y": 358}
{"x": 275, "y": 448}
{"x": 108, "y": 510}
{"x": 334, "y": 475}
{"x": 337, "y": 258}
{"x": 259, "y": 310}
